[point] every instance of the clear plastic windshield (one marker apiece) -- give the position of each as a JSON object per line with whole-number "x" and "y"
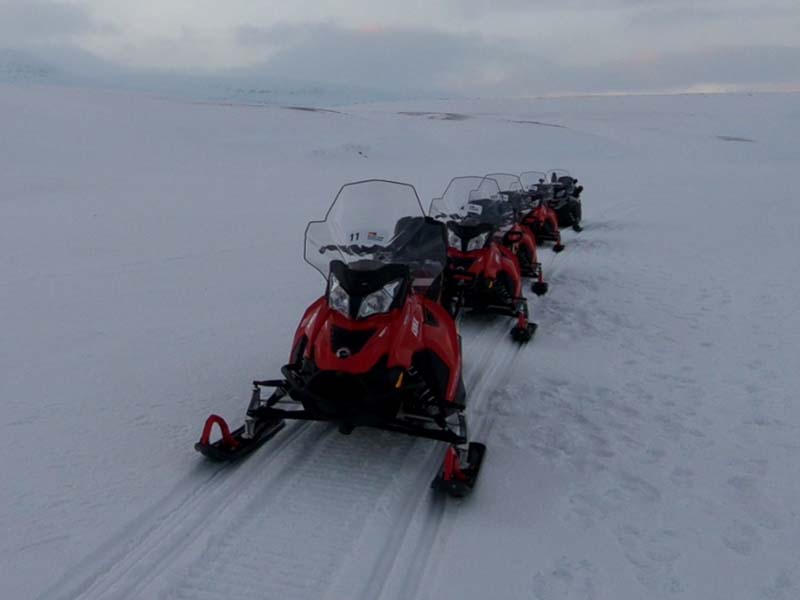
{"x": 473, "y": 200}
{"x": 532, "y": 179}
{"x": 508, "y": 182}
{"x": 375, "y": 223}
{"x": 488, "y": 205}
{"x": 453, "y": 203}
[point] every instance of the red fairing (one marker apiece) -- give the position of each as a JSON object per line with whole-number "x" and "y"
{"x": 528, "y": 240}
{"x": 544, "y": 214}
{"x": 398, "y": 334}
{"x": 510, "y": 265}
{"x": 309, "y": 325}
{"x": 441, "y": 337}
{"x": 489, "y": 262}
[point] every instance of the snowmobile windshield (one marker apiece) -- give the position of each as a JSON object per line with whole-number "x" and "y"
{"x": 532, "y": 179}
{"x": 375, "y": 223}
{"x": 487, "y": 204}
{"x": 452, "y": 205}
{"x": 508, "y": 182}
{"x": 473, "y": 201}
{"x": 512, "y": 190}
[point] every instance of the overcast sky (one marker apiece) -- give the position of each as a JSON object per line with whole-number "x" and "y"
{"x": 499, "y": 47}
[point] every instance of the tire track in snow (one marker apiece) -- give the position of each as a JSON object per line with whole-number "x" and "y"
{"x": 418, "y": 496}
{"x": 292, "y": 544}
{"x": 174, "y": 544}
{"x": 160, "y": 531}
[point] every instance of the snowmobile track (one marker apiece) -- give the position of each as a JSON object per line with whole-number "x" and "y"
{"x": 400, "y": 532}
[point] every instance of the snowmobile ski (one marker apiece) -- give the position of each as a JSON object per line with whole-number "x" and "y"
{"x": 523, "y": 333}
{"x": 239, "y": 443}
{"x": 456, "y": 479}
{"x": 540, "y": 288}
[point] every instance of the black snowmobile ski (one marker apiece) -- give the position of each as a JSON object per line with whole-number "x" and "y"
{"x": 540, "y": 288}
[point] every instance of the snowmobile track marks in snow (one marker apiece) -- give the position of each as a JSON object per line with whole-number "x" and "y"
{"x": 294, "y": 543}
{"x": 396, "y": 539}
{"x": 144, "y": 548}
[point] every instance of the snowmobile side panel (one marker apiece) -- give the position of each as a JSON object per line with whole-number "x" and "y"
{"x": 441, "y": 336}
{"x": 309, "y": 326}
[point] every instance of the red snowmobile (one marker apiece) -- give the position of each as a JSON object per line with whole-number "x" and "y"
{"x": 521, "y": 238}
{"x": 540, "y": 217}
{"x": 483, "y": 273}
{"x": 378, "y": 349}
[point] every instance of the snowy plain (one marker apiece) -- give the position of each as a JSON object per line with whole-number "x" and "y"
{"x": 645, "y": 445}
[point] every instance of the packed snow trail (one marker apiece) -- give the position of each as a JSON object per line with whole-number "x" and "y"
{"x": 644, "y": 445}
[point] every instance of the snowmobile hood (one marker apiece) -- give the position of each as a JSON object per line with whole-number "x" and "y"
{"x": 338, "y": 343}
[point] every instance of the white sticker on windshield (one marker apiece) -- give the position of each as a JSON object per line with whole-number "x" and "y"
{"x": 368, "y": 236}
{"x": 474, "y": 209}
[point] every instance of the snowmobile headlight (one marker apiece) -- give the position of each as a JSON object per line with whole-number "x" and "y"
{"x": 338, "y": 298}
{"x": 380, "y": 301}
{"x": 478, "y": 242}
{"x": 453, "y": 240}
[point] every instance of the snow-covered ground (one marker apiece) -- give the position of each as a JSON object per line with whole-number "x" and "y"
{"x": 646, "y": 444}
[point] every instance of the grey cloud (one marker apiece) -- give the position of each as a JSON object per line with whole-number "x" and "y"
{"x": 415, "y": 59}
{"x": 649, "y": 10}
{"x": 402, "y": 63}
{"x": 691, "y": 13}
{"x": 482, "y": 7}
{"x": 742, "y": 66}
{"x": 26, "y": 22}
{"x": 430, "y": 62}
{"x": 280, "y": 34}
